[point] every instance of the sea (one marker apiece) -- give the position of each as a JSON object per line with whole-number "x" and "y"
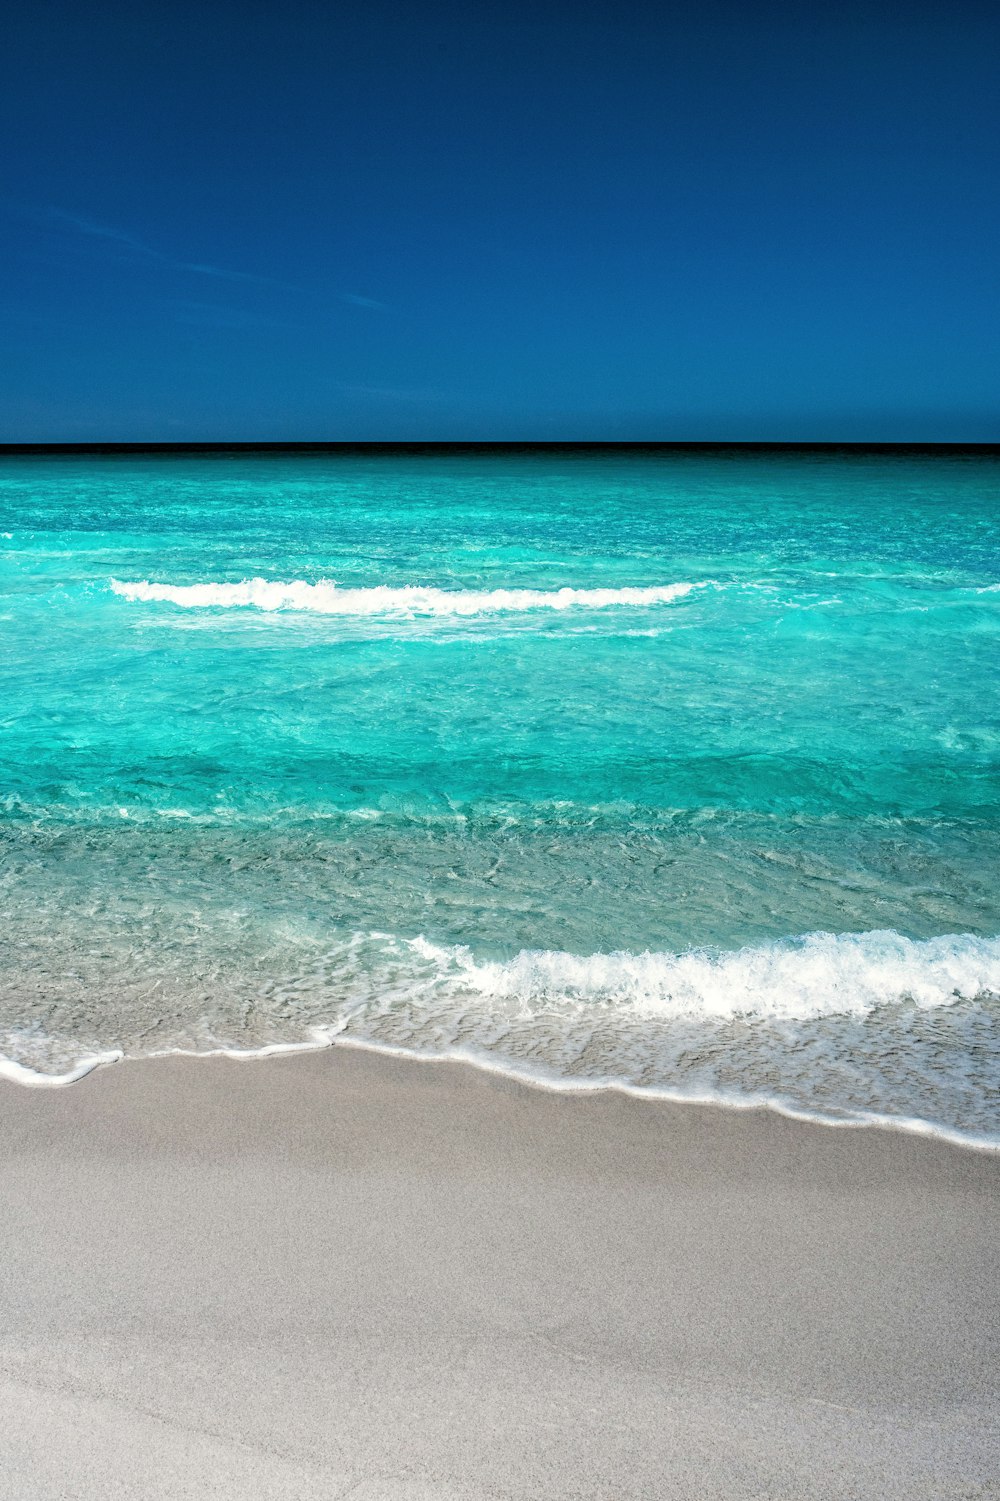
{"x": 672, "y": 770}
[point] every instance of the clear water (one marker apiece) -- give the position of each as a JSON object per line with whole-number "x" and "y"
{"x": 295, "y": 747}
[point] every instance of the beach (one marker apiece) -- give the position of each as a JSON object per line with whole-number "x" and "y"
{"x": 500, "y": 753}
{"x": 348, "y": 1274}
{"x": 575, "y": 873}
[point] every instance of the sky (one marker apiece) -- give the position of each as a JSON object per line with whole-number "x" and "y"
{"x": 321, "y": 221}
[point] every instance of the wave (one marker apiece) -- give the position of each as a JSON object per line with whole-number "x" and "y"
{"x": 817, "y": 975}
{"x": 870, "y": 1027}
{"x": 327, "y": 598}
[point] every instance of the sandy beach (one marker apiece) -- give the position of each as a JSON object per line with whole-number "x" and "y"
{"x": 343, "y": 1274}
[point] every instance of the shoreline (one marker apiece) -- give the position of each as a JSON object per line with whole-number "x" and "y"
{"x": 24, "y": 1077}
{"x": 343, "y": 1273}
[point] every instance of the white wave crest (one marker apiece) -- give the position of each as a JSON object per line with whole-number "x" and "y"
{"x": 327, "y": 598}
{"x": 820, "y": 974}
{"x": 862, "y": 1027}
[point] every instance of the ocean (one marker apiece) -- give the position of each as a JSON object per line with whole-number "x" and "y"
{"x": 676, "y": 770}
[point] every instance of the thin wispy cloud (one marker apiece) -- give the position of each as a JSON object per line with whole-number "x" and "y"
{"x": 369, "y": 302}
{"x": 218, "y": 315}
{"x": 148, "y": 253}
{"x": 140, "y": 252}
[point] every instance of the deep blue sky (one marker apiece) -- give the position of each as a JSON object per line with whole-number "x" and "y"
{"x": 289, "y": 221}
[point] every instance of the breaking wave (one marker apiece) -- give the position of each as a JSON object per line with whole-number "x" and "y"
{"x": 866, "y": 1027}
{"x": 327, "y": 598}
{"x": 820, "y": 974}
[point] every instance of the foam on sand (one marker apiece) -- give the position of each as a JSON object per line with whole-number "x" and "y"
{"x": 19, "y": 1073}
{"x": 871, "y": 1027}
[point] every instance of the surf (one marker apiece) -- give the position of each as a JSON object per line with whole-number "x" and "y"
{"x": 328, "y": 598}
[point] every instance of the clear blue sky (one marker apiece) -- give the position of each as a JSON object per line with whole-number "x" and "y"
{"x": 290, "y": 221}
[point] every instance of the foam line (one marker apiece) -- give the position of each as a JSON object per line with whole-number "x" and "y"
{"x": 326, "y": 598}
{"x": 818, "y": 974}
{"x": 534, "y": 1077}
{"x": 19, "y": 1073}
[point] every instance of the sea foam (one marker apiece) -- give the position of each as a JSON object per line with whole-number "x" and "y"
{"x": 33, "y": 1078}
{"x": 327, "y": 598}
{"x": 869, "y": 1026}
{"x": 816, "y": 975}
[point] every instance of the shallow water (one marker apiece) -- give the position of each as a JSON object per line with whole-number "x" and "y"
{"x": 673, "y": 769}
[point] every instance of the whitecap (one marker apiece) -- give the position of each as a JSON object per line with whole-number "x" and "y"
{"x": 328, "y": 598}
{"x": 816, "y": 975}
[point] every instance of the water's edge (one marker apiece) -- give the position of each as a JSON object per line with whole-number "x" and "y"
{"x": 26, "y": 1078}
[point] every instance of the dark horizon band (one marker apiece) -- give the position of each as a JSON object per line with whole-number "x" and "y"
{"x": 487, "y": 445}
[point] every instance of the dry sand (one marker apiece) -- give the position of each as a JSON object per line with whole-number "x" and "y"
{"x": 339, "y": 1274}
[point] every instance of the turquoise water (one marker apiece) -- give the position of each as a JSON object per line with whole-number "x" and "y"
{"x": 679, "y": 770}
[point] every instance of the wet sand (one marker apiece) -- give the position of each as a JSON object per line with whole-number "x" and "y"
{"x": 339, "y": 1274}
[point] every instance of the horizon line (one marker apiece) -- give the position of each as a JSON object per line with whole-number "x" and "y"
{"x": 484, "y": 445}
